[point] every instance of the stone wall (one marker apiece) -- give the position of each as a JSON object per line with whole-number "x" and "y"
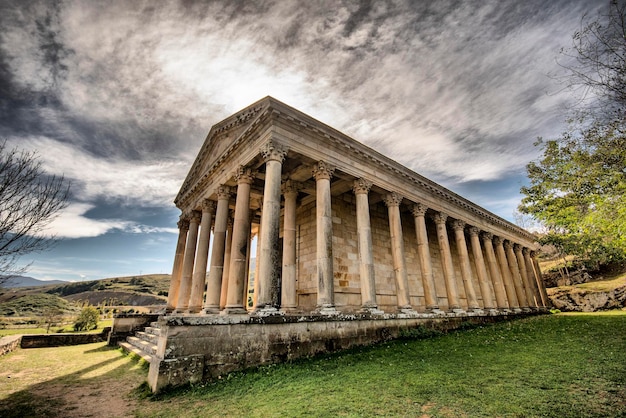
{"x": 9, "y": 343}
{"x": 193, "y": 349}
{"x": 56, "y": 340}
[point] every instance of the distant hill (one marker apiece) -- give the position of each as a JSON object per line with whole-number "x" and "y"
{"x": 25, "y": 281}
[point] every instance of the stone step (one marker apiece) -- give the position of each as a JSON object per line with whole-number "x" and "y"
{"x": 145, "y": 346}
{"x": 132, "y": 349}
{"x": 153, "y": 331}
{"x": 147, "y": 336}
{"x": 154, "y": 325}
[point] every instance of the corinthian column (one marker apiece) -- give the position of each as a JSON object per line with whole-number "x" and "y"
{"x": 361, "y": 188}
{"x": 426, "y": 266}
{"x": 515, "y": 275}
{"x": 530, "y": 273}
{"x": 288, "y": 295}
{"x": 199, "y": 272}
{"x": 214, "y": 283}
{"x": 521, "y": 264}
{"x": 506, "y": 274}
{"x": 226, "y": 256}
{"x": 393, "y": 200}
{"x": 496, "y": 277}
{"x": 539, "y": 279}
{"x": 481, "y": 269}
{"x": 190, "y": 254}
{"x": 325, "y": 286}
{"x": 269, "y": 269}
{"x": 466, "y": 269}
{"x": 241, "y": 234}
{"x": 172, "y": 295}
{"x": 446, "y": 261}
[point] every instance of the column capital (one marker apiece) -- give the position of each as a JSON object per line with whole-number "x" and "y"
{"x": 473, "y": 231}
{"x": 533, "y": 254}
{"x": 208, "y": 206}
{"x": 393, "y": 199}
{"x": 517, "y": 247}
{"x": 419, "y": 209}
{"x": 290, "y": 187}
{"x": 497, "y": 240}
{"x": 361, "y": 186}
{"x": 507, "y": 245}
{"x": 525, "y": 251}
{"x": 440, "y": 218}
{"x": 195, "y": 216}
{"x": 183, "y": 223}
{"x": 272, "y": 151}
{"x": 458, "y": 225}
{"x": 322, "y": 170}
{"x": 223, "y": 192}
{"x": 486, "y": 236}
{"x": 244, "y": 175}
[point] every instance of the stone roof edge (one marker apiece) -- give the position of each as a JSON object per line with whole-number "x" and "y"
{"x": 216, "y": 129}
{"x": 390, "y": 165}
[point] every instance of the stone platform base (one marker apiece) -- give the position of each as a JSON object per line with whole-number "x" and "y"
{"x": 193, "y": 348}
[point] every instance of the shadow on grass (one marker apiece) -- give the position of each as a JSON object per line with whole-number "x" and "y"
{"x": 68, "y": 394}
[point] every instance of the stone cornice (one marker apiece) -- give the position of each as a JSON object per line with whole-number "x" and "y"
{"x": 269, "y": 109}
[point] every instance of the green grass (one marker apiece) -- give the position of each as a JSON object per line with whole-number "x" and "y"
{"x": 65, "y": 328}
{"x": 548, "y": 366}
{"x": 554, "y": 366}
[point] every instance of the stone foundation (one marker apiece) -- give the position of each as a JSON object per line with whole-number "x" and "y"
{"x": 197, "y": 348}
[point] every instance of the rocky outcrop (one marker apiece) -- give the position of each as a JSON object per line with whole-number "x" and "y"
{"x": 569, "y": 299}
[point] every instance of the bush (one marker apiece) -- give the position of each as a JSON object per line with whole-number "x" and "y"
{"x": 87, "y": 320}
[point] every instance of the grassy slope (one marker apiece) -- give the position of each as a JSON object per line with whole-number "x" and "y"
{"x": 565, "y": 366}
{"x": 549, "y": 366}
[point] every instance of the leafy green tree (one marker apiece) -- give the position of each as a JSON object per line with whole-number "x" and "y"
{"x": 87, "y": 319}
{"x": 578, "y": 187}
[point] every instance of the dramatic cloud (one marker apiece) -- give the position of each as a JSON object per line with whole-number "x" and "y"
{"x": 119, "y": 95}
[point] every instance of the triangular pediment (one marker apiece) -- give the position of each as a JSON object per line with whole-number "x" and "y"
{"x": 221, "y": 136}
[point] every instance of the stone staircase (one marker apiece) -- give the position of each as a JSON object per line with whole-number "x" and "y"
{"x": 143, "y": 343}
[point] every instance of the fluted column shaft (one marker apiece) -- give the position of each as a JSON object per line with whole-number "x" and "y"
{"x": 226, "y": 256}
{"x": 214, "y": 282}
{"x": 466, "y": 268}
{"x": 423, "y": 251}
{"x": 188, "y": 261}
{"x": 481, "y": 269}
{"x": 269, "y": 268}
{"x": 172, "y": 294}
{"x": 361, "y": 188}
{"x": 288, "y": 295}
{"x": 393, "y": 201}
{"x": 521, "y": 264}
{"x": 528, "y": 264}
{"x": 499, "y": 291}
{"x": 446, "y": 261}
{"x": 515, "y": 274}
{"x": 325, "y": 286}
{"x": 506, "y": 274}
{"x": 199, "y": 273}
{"x": 241, "y": 234}
{"x": 539, "y": 279}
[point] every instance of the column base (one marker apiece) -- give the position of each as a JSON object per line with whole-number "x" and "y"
{"x": 517, "y": 310}
{"x": 327, "y": 310}
{"x": 527, "y": 310}
{"x": 493, "y": 312}
{"x": 436, "y": 311}
{"x": 234, "y": 310}
{"x": 458, "y": 311}
{"x": 209, "y": 310}
{"x": 266, "y": 311}
{"x": 407, "y": 312}
{"x": 194, "y": 310}
{"x": 476, "y": 312}
{"x": 371, "y": 310}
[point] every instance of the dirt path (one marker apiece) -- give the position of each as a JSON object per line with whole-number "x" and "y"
{"x": 80, "y": 381}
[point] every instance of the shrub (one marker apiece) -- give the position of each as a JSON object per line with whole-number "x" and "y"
{"x": 87, "y": 320}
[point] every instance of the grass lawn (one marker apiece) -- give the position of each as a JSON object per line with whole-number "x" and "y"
{"x": 548, "y": 366}
{"x": 66, "y": 329}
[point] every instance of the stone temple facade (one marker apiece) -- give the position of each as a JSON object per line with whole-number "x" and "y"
{"x": 351, "y": 247}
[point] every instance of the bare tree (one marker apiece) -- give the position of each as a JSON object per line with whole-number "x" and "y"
{"x": 29, "y": 200}
{"x": 595, "y": 65}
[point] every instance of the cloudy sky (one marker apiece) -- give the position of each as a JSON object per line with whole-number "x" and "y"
{"x": 119, "y": 95}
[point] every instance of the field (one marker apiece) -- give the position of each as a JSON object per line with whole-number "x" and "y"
{"x": 549, "y": 366}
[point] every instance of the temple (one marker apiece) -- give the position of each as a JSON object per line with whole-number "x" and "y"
{"x": 350, "y": 247}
